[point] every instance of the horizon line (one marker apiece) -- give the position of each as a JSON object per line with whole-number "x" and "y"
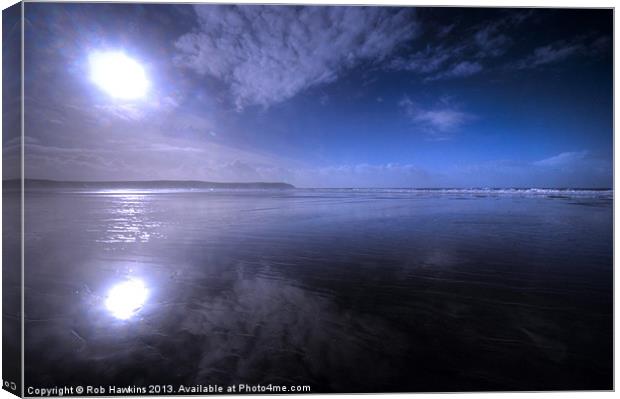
{"x": 308, "y": 187}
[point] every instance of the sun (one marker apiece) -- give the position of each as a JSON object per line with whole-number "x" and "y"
{"x": 118, "y": 75}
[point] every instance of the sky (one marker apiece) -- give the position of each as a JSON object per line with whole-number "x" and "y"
{"x": 321, "y": 96}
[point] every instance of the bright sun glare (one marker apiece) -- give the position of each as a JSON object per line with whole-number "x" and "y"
{"x": 126, "y": 299}
{"x": 118, "y": 75}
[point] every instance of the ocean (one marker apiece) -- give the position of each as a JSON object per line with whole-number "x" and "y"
{"x": 341, "y": 290}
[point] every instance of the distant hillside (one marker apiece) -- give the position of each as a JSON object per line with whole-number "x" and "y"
{"x": 150, "y": 184}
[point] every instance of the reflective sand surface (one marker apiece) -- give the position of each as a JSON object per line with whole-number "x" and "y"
{"x": 342, "y": 290}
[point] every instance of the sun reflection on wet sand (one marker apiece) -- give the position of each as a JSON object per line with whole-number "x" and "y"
{"x": 126, "y": 298}
{"x": 344, "y": 294}
{"x": 130, "y": 219}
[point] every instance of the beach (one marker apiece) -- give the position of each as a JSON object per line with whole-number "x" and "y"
{"x": 343, "y": 290}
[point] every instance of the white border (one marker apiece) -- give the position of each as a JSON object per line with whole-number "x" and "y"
{"x": 479, "y": 3}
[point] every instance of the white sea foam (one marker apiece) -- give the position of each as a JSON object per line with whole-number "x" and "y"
{"x": 549, "y": 192}
{"x": 533, "y": 192}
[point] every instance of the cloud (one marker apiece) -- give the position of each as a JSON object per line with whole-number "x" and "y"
{"x": 490, "y": 42}
{"x": 459, "y": 70}
{"x": 576, "y": 169}
{"x": 555, "y": 52}
{"x": 561, "y": 50}
{"x": 443, "y": 31}
{"x": 269, "y": 54}
{"x": 489, "y": 39}
{"x": 440, "y": 122}
{"x": 563, "y": 159}
{"x": 492, "y": 39}
{"x": 362, "y": 175}
{"x": 428, "y": 60}
{"x": 464, "y": 56}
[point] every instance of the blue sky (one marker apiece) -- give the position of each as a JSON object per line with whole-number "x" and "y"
{"x": 324, "y": 96}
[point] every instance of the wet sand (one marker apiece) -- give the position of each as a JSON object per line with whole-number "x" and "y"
{"x": 345, "y": 291}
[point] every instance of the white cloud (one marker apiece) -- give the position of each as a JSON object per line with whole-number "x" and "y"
{"x": 440, "y": 122}
{"x": 362, "y": 175}
{"x": 490, "y": 41}
{"x": 464, "y": 56}
{"x": 459, "y": 70}
{"x": 554, "y": 52}
{"x": 563, "y": 49}
{"x": 269, "y": 54}
{"x": 427, "y": 60}
{"x": 577, "y": 169}
{"x": 563, "y": 159}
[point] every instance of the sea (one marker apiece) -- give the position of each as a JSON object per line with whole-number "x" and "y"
{"x": 319, "y": 290}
